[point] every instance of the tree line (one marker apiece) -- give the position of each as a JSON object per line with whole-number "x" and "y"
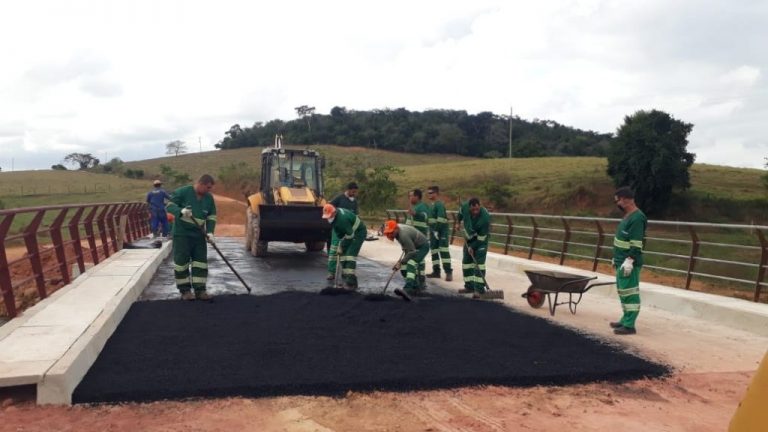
{"x": 433, "y": 131}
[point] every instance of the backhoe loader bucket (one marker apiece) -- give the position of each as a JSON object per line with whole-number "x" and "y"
{"x": 290, "y": 223}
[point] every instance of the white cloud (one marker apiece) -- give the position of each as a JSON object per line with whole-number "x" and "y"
{"x": 124, "y": 78}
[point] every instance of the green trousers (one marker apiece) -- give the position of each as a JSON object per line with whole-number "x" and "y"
{"x": 439, "y": 245}
{"x": 332, "y": 253}
{"x": 629, "y": 295}
{"x": 348, "y": 258}
{"x": 473, "y": 276}
{"x": 412, "y": 265}
{"x": 190, "y": 252}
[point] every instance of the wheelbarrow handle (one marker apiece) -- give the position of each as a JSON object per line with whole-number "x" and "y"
{"x": 590, "y": 286}
{"x": 576, "y": 281}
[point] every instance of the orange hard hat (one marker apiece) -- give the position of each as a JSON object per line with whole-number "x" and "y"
{"x": 389, "y": 227}
{"x": 329, "y": 211}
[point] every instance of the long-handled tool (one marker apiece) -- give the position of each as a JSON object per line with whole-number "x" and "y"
{"x": 489, "y": 294}
{"x": 383, "y": 294}
{"x": 202, "y": 230}
{"x": 337, "y": 288}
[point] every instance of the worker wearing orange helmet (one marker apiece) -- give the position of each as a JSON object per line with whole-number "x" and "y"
{"x": 415, "y": 248}
{"x": 351, "y": 232}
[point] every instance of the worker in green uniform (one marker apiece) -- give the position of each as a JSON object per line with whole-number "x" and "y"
{"x": 418, "y": 217}
{"x": 347, "y": 201}
{"x": 476, "y": 224}
{"x": 438, "y": 240}
{"x": 415, "y": 248}
{"x": 628, "y": 259}
{"x": 351, "y": 232}
{"x": 189, "y": 236}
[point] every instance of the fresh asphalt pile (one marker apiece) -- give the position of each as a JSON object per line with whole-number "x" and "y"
{"x": 299, "y": 342}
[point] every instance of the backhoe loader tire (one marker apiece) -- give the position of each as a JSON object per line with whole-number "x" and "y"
{"x": 256, "y": 247}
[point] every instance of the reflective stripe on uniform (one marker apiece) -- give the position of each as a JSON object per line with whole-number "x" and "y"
{"x": 636, "y": 243}
{"x": 180, "y": 268}
{"x": 198, "y": 264}
{"x": 199, "y": 279}
{"x": 631, "y": 307}
{"x": 212, "y": 218}
{"x": 629, "y": 291}
{"x": 348, "y": 271}
{"x": 182, "y": 281}
{"x": 621, "y": 244}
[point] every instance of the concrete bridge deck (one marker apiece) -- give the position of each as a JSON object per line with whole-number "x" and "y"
{"x": 53, "y": 344}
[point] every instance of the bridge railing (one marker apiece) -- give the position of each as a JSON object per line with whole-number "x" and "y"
{"x": 734, "y": 253}
{"x": 44, "y": 242}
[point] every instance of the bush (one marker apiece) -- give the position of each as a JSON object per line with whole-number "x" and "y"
{"x": 240, "y": 176}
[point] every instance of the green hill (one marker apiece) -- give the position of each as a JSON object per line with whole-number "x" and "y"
{"x": 570, "y": 185}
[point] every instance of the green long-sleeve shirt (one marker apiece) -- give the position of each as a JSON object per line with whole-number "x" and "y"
{"x": 410, "y": 240}
{"x": 347, "y": 225}
{"x": 629, "y": 238}
{"x": 203, "y": 210}
{"x": 476, "y": 229}
{"x": 343, "y": 201}
{"x": 419, "y": 218}
{"x": 438, "y": 216}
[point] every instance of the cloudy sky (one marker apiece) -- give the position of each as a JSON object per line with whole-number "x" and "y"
{"x": 122, "y": 78}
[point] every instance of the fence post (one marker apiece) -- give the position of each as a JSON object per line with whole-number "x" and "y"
{"x": 74, "y": 234}
{"x": 90, "y": 235}
{"x": 101, "y": 224}
{"x": 566, "y": 240}
{"x": 58, "y": 244}
{"x": 453, "y": 229}
{"x": 33, "y": 251}
{"x": 533, "y": 237}
{"x": 763, "y": 262}
{"x": 6, "y": 286}
{"x": 692, "y": 258}
{"x": 599, "y": 245}
{"x": 110, "y": 221}
{"x": 510, "y": 228}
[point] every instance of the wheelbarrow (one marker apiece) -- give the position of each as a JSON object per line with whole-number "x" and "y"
{"x": 555, "y": 283}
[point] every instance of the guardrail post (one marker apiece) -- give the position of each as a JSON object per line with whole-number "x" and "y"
{"x": 110, "y": 222}
{"x": 6, "y": 286}
{"x": 90, "y": 235}
{"x": 100, "y": 223}
{"x": 599, "y": 245}
{"x": 33, "y": 251}
{"x": 566, "y": 240}
{"x": 74, "y": 234}
{"x": 533, "y": 237}
{"x": 510, "y": 228}
{"x": 58, "y": 244}
{"x": 763, "y": 262}
{"x": 455, "y": 224}
{"x": 692, "y": 258}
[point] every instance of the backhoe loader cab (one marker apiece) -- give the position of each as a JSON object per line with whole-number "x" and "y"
{"x": 288, "y": 206}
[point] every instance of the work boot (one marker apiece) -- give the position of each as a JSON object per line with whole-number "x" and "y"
{"x": 466, "y": 290}
{"x": 615, "y": 324}
{"x": 423, "y": 281}
{"x": 448, "y": 276}
{"x": 187, "y": 295}
{"x": 435, "y": 274}
{"x": 350, "y": 285}
{"x": 624, "y": 331}
{"x": 202, "y": 295}
{"x": 401, "y": 293}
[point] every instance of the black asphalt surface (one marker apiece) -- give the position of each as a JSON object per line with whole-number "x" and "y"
{"x": 286, "y": 340}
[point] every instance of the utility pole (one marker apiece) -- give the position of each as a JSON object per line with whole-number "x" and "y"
{"x": 200, "y": 144}
{"x": 510, "y": 132}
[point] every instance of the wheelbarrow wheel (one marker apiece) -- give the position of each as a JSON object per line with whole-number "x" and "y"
{"x": 535, "y": 298}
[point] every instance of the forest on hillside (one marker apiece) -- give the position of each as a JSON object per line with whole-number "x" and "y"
{"x": 433, "y": 131}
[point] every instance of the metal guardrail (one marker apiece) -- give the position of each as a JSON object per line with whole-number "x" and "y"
{"x": 43, "y": 229}
{"x": 725, "y": 252}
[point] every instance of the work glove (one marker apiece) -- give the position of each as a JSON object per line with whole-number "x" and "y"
{"x": 627, "y": 266}
{"x": 210, "y": 238}
{"x": 186, "y": 212}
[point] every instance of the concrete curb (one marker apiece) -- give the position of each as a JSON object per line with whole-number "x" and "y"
{"x": 62, "y": 378}
{"x": 731, "y": 312}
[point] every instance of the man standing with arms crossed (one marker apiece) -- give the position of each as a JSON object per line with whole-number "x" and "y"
{"x": 418, "y": 217}
{"x": 438, "y": 241}
{"x": 193, "y": 208}
{"x": 628, "y": 259}
{"x": 347, "y": 201}
{"x": 156, "y": 200}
